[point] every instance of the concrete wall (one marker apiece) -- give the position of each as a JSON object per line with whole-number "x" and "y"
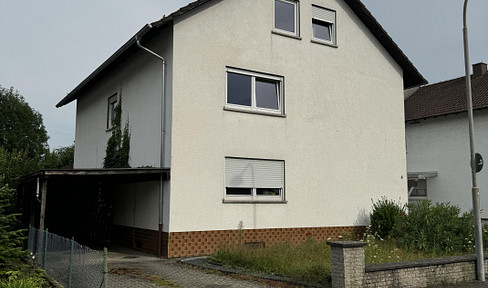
{"x": 138, "y": 80}
{"x": 342, "y": 139}
{"x": 442, "y": 144}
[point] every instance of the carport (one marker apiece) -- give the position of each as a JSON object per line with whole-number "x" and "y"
{"x": 78, "y": 202}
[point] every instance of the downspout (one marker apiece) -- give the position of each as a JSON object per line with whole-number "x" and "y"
{"x": 162, "y": 116}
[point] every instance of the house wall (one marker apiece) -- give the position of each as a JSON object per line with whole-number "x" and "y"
{"x": 442, "y": 144}
{"x": 342, "y": 139}
{"x": 138, "y": 81}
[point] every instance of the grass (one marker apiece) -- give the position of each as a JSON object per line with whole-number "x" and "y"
{"x": 308, "y": 261}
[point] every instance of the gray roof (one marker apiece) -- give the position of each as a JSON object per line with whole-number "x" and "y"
{"x": 411, "y": 76}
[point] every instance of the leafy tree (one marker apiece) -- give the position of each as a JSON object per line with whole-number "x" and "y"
{"x": 118, "y": 145}
{"x": 15, "y": 164}
{"x": 21, "y": 127}
{"x": 59, "y": 158}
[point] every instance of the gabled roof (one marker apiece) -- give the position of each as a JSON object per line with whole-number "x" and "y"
{"x": 444, "y": 98}
{"x": 411, "y": 76}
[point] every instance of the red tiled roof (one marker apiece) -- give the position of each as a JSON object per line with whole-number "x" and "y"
{"x": 446, "y": 98}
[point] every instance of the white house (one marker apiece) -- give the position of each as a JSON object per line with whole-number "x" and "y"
{"x": 285, "y": 116}
{"x": 437, "y": 137}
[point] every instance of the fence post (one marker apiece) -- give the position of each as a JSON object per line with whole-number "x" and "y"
{"x": 105, "y": 268}
{"x": 70, "y": 270}
{"x": 45, "y": 250}
{"x": 347, "y": 263}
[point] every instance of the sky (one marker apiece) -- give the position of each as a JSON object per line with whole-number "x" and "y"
{"x": 48, "y": 47}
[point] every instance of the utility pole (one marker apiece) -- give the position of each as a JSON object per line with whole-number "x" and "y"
{"x": 475, "y": 191}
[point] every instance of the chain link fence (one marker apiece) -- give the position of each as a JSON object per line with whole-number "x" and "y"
{"x": 71, "y": 264}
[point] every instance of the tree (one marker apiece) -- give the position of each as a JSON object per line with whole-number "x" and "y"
{"x": 59, "y": 158}
{"x": 10, "y": 237}
{"x": 21, "y": 127}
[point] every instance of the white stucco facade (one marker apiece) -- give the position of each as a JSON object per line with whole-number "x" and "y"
{"x": 341, "y": 135}
{"x": 137, "y": 81}
{"x": 442, "y": 145}
{"x": 342, "y": 138}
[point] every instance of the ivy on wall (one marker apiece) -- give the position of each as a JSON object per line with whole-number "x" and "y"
{"x": 118, "y": 145}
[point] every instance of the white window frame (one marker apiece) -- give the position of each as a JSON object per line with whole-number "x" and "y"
{"x": 256, "y": 174}
{"x": 328, "y": 17}
{"x": 112, "y": 103}
{"x": 296, "y": 19}
{"x": 254, "y": 108}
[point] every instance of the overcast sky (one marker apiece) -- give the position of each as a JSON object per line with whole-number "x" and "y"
{"x": 48, "y": 47}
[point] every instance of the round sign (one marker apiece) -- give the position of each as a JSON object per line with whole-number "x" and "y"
{"x": 478, "y": 162}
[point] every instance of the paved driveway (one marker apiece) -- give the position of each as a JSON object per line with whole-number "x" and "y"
{"x": 133, "y": 269}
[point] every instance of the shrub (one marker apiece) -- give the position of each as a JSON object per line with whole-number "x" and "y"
{"x": 435, "y": 228}
{"x": 384, "y": 215}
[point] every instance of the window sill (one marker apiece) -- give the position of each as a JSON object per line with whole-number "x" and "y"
{"x": 325, "y": 43}
{"x": 258, "y": 112}
{"x": 230, "y": 201}
{"x": 278, "y": 32}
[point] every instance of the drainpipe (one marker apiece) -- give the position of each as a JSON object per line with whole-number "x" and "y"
{"x": 162, "y": 116}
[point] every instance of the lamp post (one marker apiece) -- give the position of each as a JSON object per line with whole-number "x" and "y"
{"x": 475, "y": 191}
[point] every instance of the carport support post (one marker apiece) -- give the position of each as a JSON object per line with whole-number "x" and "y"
{"x": 42, "y": 215}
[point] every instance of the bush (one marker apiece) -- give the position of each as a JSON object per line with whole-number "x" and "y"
{"x": 435, "y": 228}
{"x": 384, "y": 215}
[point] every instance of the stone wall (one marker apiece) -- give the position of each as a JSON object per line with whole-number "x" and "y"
{"x": 349, "y": 270}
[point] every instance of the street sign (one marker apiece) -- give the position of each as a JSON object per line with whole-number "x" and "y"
{"x": 478, "y": 162}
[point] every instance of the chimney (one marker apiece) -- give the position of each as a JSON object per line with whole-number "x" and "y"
{"x": 479, "y": 69}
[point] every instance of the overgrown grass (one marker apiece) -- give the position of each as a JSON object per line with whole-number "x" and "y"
{"x": 309, "y": 261}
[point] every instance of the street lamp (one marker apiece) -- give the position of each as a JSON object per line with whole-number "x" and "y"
{"x": 475, "y": 191}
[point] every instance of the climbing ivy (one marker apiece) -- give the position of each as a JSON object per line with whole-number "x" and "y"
{"x": 118, "y": 145}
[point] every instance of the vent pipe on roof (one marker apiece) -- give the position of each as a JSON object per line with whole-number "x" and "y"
{"x": 479, "y": 69}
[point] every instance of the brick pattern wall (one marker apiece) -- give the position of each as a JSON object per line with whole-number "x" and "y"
{"x": 140, "y": 239}
{"x": 195, "y": 243}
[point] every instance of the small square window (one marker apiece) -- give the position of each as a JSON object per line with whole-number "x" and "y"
{"x": 321, "y": 30}
{"x": 323, "y": 25}
{"x": 252, "y": 91}
{"x": 254, "y": 179}
{"x": 286, "y": 16}
{"x": 112, "y": 104}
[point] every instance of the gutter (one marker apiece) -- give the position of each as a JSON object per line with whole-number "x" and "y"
{"x": 162, "y": 116}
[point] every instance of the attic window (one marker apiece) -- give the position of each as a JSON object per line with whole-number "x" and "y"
{"x": 323, "y": 25}
{"x": 286, "y": 17}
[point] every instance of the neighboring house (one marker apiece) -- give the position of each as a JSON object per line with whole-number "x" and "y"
{"x": 437, "y": 137}
{"x": 283, "y": 117}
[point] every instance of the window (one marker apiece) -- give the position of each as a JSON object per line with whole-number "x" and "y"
{"x": 323, "y": 25}
{"x": 112, "y": 103}
{"x": 418, "y": 188}
{"x": 286, "y": 17}
{"x": 254, "y": 180}
{"x": 255, "y": 92}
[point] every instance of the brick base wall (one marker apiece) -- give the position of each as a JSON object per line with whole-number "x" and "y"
{"x": 140, "y": 239}
{"x": 196, "y": 243}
